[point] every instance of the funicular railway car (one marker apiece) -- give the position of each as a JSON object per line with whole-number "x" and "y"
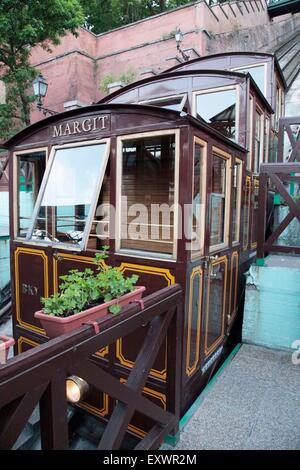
{"x": 161, "y": 173}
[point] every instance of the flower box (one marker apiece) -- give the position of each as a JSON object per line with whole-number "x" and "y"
{"x": 5, "y": 344}
{"x": 56, "y": 326}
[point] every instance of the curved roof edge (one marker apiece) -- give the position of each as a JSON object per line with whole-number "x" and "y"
{"x": 163, "y": 76}
{"x": 220, "y": 54}
{"x": 169, "y": 114}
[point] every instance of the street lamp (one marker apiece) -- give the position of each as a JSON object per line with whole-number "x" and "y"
{"x": 179, "y": 38}
{"x": 40, "y": 87}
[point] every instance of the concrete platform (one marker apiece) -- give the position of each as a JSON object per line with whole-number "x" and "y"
{"x": 254, "y": 403}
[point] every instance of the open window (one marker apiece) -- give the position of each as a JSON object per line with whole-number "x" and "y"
{"x": 147, "y": 197}
{"x": 29, "y": 169}
{"x": 175, "y": 103}
{"x": 69, "y": 194}
{"x": 218, "y": 107}
{"x": 219, "y": 200}
{"x": 199, "y": 192}
{"x": 257, "y": 72}
{"x": 236, "y": 200}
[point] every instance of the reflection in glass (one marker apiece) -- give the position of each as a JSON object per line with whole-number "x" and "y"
{"x": 174, "y": 104}
{"x": 30, "y": 171}
{"x": 258, "y": 75}
{"x": 69, "y": 192}
{"x": 148, "y": 180}
{"x": 259, "y": 130}
{"x": 236, "y": 195}
{"x": 219, "y": 109}
{"x": 214, "y": 321}
{"x": 218, "y": 201}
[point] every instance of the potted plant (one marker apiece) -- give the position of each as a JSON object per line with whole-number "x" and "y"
{"x": 85, "y": 296}
{"x": 5, "y": 344}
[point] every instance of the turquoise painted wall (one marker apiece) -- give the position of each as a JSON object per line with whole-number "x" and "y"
{"x": 4, "y": 213}
{"x": 4, "y": 262}
{"x": 272, "y": 306}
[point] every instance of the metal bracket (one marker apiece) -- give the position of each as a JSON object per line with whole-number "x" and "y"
{"x": 94, "y": 324}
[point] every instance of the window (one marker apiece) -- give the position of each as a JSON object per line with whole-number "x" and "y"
{"x": 175, "y": 103}
{"x": 267, "y": 140}
{"x": 219, "y": 201}
{"x": 148, "y": 193}
{"x": 69, "y": 194}
{"x": 258, "y": 73}
{"x": 29, "y": 171}
{"x": 279, "y": 105}
{"x": 198, "y": 209}
{"x": 236, "y": 200}
{"x": 219, "y": 109}
{"x": 246, "y": 212}
{"x": 254, "y": 213}
{"x": 250, "y": 141}
{"x": 259, "y": 138}
{"x": 99, "y": 234}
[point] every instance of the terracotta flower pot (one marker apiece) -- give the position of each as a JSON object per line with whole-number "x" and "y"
{"x": 56, "y": 326}
{"x": 5, "y": 344}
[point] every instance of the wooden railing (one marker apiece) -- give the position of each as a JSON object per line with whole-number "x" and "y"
{"x": 279, "y": 175}
{"x": 293, "y": 135}
{"x": 39, "y": 376}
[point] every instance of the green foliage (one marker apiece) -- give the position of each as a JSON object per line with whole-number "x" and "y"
{"x": 103, "y": 15}
{"x": 126, "y": 77}
{"x": 80, "y": 289}
{"x": 23, "y": 24}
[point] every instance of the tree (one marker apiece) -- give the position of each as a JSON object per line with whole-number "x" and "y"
{"x": 24, "y": 24}
{"x": 103, "y": 15}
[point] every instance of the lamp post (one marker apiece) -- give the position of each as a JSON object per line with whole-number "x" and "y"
{"x": 179, "y": 38}
{"x": 40, "y": 87}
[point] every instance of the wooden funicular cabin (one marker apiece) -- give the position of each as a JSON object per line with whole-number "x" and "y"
{"x": 160, "y": 172}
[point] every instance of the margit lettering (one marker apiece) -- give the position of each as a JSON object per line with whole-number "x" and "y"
{"x": 79, "y": 127}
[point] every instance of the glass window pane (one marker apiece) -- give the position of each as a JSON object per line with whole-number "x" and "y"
{"x": 167, "y": 103}
{"x": 215, "y": 311}
{"x": 72, "y": 182}
{"x": 258, "y": 140}
{"x": 258, "y": 75}
{"x": 236, "y": 200}
{"x": 219, "y": 109}
{"x": 148, "y": 185}
{"x": 246, "y": 212}
{"x": 218, "y": 201}
{"x": 198, "y": 199}
{"x": 30, "y": 171}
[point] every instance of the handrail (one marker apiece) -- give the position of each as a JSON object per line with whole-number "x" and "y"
{"x": 285, "y": 127}
{"x": 278, "y": 174}
{"x": 39, "y": 375}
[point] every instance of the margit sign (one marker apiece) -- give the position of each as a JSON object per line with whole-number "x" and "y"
{"x": 82, "y": 126}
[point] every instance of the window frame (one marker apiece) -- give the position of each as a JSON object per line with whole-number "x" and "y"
{"x": 248, "y": 66}
{"x": 82, "y": 246}
{"x": 136, "y": 253}
{"x": 246, "y": 213}
{"x": 250, "y": 154}
{"x": 206, "y": 91}
{"x": 183, "y": 97}
{"x": 239, "y": 162}
{"x": 197, "y": 140}
{"x": 228, "y": 158}
{"x": 16, "y": 183}
{"x": 258, "y": 110}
